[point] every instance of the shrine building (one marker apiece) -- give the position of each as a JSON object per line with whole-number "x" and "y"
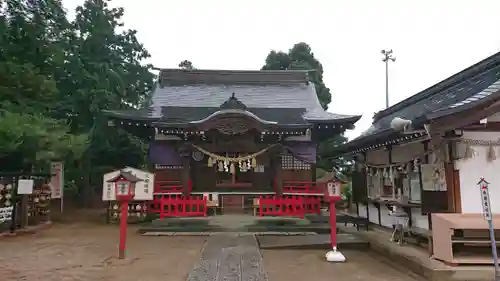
{"x": 427, "y": 161}
{"x": 232, "y": 137}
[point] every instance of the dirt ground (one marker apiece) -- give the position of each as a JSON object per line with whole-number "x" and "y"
{"x": 300, "y": 265}
{"x": 87, "y": 252}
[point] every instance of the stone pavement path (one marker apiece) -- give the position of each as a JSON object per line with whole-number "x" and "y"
{"x": 229, "y": 257}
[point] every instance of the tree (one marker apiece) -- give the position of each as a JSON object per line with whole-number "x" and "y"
{"x": 31, "y": 42}
{"x": 110, "y": 75}
{"x": 300, "y": 56}
{"x": 56, "y": 76}
{"x": 186, "y": 64}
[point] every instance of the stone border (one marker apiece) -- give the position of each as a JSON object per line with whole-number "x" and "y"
{"x": 27, "y": 230}
{"x": 152, "y": 233}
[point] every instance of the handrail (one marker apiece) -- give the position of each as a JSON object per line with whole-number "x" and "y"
{"x": 303, "y": 187}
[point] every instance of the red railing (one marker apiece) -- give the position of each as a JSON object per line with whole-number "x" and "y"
{"x": 303, "y": 187}
{"x": 167, "y": 186}
{"x": 312, "y": 204}
{"x": 179, "y": 206}
{"x": 292, "y": 206}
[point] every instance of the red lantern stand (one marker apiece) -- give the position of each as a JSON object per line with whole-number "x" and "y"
{"x": 332, "y": 195}
{"x": 125, "y": 192}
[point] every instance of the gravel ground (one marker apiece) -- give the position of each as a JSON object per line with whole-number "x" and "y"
{"x": 300, "y": 265}
{"x": 87, "y": 252}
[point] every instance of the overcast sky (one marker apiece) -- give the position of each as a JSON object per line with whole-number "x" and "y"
{"x": 431, "y": 39}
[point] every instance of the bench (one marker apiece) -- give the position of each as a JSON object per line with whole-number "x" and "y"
{"x": 358, "y": 221}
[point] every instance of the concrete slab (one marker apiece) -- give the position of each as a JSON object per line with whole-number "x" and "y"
{"x": 344, "y": 241}
{"x": 417, "y": 259}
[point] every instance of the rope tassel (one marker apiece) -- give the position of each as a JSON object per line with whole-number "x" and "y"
{"x": 469, "y": 152}
{"x": 491, "y": 155}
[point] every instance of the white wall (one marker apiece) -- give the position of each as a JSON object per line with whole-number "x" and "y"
{"x": 362, "y": 210}
{"x": 418, "y": 219}
{"x": 472, "y": 169}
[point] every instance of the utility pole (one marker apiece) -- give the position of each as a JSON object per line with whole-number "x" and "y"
{"x": 387, "y": 57}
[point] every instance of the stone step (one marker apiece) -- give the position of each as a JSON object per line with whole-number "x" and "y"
{"x": 320, "y": 229}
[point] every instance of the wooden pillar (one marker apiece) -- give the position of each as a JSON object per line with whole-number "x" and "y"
{"x": 279, "y": 172}
{"x": 186, "y": 174}
{"x": 425, "y": 161}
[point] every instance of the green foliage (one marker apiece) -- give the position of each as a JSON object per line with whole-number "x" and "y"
{"x": 346, "y": 191}
{"x": 300, "y": 56}
{"x": 186, "y": 64}
{"x": 56, "y": 76}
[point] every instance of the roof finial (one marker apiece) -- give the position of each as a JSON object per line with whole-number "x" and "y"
{"x": 233, "y": 103}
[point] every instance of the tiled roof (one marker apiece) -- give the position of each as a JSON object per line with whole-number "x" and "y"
{"x": 283, "y": 116}
{"x": 461, "y": 91}
{"x": 296, "y": 95}
{"x": 277, "y": 94}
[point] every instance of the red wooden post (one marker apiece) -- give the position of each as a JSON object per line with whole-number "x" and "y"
{"x": 332, "y": 194}
{"x": 123, "y": 229}
{"x": 125, "y": 192}
{"x": 333, "y": 224}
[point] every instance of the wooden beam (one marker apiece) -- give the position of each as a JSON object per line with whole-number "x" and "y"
{"x": 465, "y": 117}
{"x": 488, "y": 127}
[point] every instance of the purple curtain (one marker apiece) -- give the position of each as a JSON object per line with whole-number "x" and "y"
{"x": 161, "y": 153}
{"x": 304, "y": 151}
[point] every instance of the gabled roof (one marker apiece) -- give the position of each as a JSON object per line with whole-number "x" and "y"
{"x": 125, "y": 175}
{"x": 474, "y": 86}
{"x": 275, "y": 94}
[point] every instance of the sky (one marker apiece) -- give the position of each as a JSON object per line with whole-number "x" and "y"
{"x": 431, "y": 40}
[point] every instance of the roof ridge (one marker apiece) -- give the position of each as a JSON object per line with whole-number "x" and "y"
{"x": 466, "y": 74}
{"x": 231, "y": 77}
{"x": 197, "y": 70}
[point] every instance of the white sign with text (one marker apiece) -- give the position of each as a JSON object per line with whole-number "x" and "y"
{"x": 143, "y": 189}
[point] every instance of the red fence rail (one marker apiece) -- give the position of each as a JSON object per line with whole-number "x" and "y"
{"x": 166, "y": 186}
{"x": 312, "y": 204}
{"x": 292, "y": 206}
{"x": 303, "y": 187}
{"x": 179, "y": 206}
